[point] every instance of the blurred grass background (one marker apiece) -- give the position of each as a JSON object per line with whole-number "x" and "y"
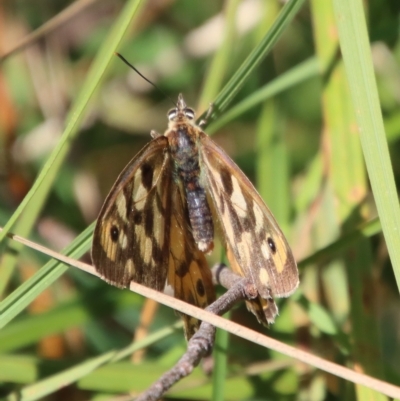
{"x": 291, "y": 127}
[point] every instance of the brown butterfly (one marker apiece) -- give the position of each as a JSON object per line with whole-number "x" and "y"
{"x": 157, "y": 222}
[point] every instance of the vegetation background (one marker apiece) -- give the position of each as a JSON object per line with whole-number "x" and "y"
{"x": 72, "y": 115}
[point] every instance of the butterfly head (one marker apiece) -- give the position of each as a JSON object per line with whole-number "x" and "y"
{"x": 181, "y": 112}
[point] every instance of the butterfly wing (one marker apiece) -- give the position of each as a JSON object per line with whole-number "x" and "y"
{"x": 256, "y": 246}
{"x": 188, "y": 273}
{"x": 131, "y": 238}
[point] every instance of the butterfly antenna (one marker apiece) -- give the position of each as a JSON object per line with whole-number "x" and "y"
{"x": 138, "y": 72}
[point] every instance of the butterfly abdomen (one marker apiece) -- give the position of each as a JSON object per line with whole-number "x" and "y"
{"x": 185, "y": 154}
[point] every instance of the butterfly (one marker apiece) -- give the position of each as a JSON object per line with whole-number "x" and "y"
{"x": 159, "y": 219}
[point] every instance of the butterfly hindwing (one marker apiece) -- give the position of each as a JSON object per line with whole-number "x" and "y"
{"x": 188, "y": 274}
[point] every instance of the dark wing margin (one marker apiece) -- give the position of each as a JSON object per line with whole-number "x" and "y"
{"x": 256, "y": 245}
{"x": 131, "y": 237}
{"x": 189, "y": 276}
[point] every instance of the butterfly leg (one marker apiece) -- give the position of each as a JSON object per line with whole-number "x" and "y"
{"x": 204, "y": 120}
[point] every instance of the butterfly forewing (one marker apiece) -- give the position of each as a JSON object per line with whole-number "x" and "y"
{"x": 258, "y": 245}
{"x": 131, "y": 238}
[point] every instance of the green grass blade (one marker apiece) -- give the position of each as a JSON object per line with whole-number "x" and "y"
{"x": 220, "y": 355}
{"x": 305, "y": 70}
{"x": 356, "y": 53}
{"x": 347, "y": 182}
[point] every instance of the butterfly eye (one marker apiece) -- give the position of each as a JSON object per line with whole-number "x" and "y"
{"x": 172, "y": 114}
{"x": 189, "y": 113}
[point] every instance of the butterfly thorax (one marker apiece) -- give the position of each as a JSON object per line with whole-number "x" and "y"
{"x": 182, "y": 138}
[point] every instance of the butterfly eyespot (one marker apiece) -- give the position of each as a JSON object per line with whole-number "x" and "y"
{"x": 114, "y": 232}
{"x": 272, "y": 245}
{"x": 200, "y": 288}
{"x": 189, "y": 113}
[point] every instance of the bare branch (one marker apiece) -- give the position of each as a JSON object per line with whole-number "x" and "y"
{"x": 202, "y": 342}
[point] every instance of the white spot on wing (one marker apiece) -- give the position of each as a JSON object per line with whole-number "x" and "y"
{"x": 264, "y": 277}
{"x": 146, "y": 249}
{"x": 158, "y": 225}
{"x": 139, "y": 231}
{"x": 130, "y": 267}
{"x": 238, "y": 199}
{"x": 123, "y": 240}
{"x": 140, "y": 192}
{"x": 265, "y": 250}
{"x": 121, "y": 206}
{"x": 258, "y": 215}
{"x": 244, "y": 247}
